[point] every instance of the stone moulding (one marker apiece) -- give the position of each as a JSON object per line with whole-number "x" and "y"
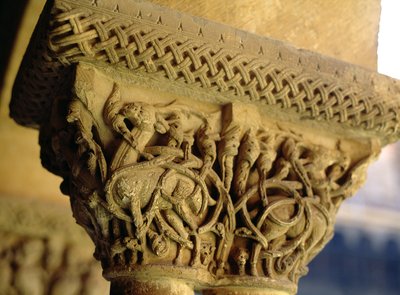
{"x": 195, "y": 154}
{"x": 227, "y": 63}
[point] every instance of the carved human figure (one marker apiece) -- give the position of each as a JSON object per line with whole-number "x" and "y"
{"x": 166, "y": 184}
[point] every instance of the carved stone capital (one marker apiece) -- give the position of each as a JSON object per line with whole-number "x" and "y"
{"x": 216, "y": 195}
{"x": 197, "y": 156}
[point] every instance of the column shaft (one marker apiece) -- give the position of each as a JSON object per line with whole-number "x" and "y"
{"x": 150, "y": 287}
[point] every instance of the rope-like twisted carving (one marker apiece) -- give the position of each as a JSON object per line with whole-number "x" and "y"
{"x": 78, "y": 33}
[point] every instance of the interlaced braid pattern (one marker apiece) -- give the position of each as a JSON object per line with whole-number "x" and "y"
{"x": 80, "y": 33}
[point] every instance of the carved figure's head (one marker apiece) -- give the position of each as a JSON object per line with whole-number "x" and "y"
{"x": 138, "y": 114}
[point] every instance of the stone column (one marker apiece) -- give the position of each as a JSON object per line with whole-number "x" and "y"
{"x": 197, "y": 157}
{"x": 43, "y": 252}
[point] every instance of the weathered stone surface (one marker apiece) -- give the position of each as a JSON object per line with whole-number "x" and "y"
{"x": 202, "y": 55}
{"x": 346, "y": 30}
{"x": 281, "y": 18}
{"x": 195, "y": 153}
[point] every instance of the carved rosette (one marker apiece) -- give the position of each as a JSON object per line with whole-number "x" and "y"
{"x": 205, "y": 193}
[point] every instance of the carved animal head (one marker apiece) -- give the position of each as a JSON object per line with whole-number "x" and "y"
{"x": 241, "y": 256}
